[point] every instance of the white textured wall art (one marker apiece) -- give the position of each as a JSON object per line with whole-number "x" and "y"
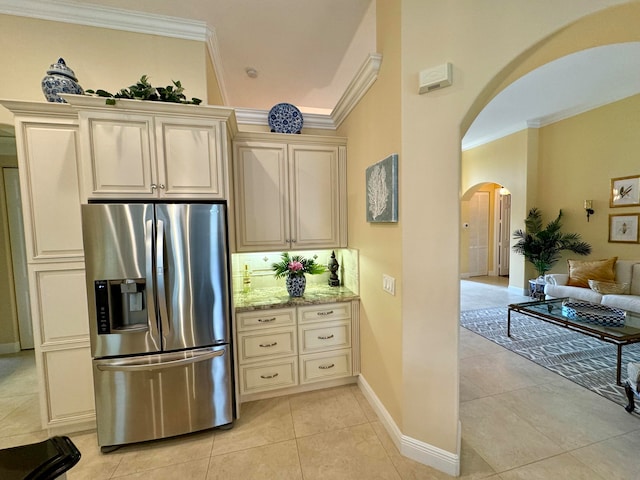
{"x": 382, "y": 190}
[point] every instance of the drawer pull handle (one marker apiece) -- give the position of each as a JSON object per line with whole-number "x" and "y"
{"x": 325, "y": 337}
{"x": 267, "y": 345}
{"x": 266, "y": 320}
{"x": 322, "y": 314}
{"x": 267, "y": 377}
{"x": 326, "y": 367}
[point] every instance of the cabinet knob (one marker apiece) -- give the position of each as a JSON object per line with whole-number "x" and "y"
{"x": 153, "y": 186}
{"x": 162, "y": 186}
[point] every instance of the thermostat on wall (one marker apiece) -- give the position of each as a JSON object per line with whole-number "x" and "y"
{"x": 435, "y": 78}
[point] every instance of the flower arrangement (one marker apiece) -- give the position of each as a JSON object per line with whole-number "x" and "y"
{"x": 296, "y": 266}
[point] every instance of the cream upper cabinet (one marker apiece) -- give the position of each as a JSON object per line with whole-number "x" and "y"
{"x": 47, "y": 144}
{"x": 290, "y": 193}
{"x": 149, "y": 150}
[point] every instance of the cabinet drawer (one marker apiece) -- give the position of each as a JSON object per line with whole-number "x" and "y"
{"x": 323, "y": 366}
{"x": 324, "y": 313}
{"x": 260, "y": 344}
{"x": 317, "y": 337}
{"x": 269, "y": 375}
{"x": 265, "y": 318}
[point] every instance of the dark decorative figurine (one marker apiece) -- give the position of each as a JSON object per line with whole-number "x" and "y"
{"x": 334, "y": 281}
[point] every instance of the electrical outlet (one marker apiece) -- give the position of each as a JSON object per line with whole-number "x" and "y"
{"x": 388, "y": 284}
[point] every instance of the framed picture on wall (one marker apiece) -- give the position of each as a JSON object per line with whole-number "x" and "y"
{"x": 382, "y": 190}
{"x": 623, "y": 228}
{"x": 625, "y": 191}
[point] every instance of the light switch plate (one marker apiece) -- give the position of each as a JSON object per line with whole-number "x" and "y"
{"x": 388, "y": 284}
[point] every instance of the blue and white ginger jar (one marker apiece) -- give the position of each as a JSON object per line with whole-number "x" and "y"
{"x": 296, "y": 285}
{"x": 60, "y": 79}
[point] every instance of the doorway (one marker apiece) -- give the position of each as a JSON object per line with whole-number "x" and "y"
{"x": 503, "y": 231}
{"x": 18, "y": 256}
{"x": 478, "y": 227}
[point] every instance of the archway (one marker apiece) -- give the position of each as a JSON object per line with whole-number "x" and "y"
{"x": 521, "y": 159}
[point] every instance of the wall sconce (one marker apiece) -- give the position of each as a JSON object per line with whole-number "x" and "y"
{"x": 588, "y": 206}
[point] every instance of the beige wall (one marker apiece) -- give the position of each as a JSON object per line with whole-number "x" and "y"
{"x": 578, "y": 158}
{"x": 9, "y": 334}
{"x": 214, "y": 95}
{"x": 484, "y": 41}
{"x": 100, "y": 58}
{"x": 373, "y": 130}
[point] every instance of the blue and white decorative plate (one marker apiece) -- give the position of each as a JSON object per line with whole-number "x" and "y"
{"x": 285, "y": 118}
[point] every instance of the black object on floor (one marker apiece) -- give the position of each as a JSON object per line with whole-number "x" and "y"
{"x": 39, "y": 461}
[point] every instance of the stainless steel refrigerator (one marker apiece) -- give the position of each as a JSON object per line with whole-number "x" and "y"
{"x": 159, "y": 318}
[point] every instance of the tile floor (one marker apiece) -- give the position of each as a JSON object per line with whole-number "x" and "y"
{"x": 519, "y": 421}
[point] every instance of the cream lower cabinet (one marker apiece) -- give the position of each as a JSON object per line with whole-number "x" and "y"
{"x": 291, "y": 347}
{"x": 152, "y": 150}
{"x": 289, "y": 193}
{"x": 63, "y": 353}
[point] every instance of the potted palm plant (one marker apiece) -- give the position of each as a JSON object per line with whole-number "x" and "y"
{"x": 542, "y": 245}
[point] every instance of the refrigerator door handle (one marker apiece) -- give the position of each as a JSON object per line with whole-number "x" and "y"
{"x": 132, "y": 366}
{"x": 160, "y": 270}
{"x": 151, "y": 311}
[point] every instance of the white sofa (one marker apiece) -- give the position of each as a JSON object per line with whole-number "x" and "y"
{"x": 627, "y": 271}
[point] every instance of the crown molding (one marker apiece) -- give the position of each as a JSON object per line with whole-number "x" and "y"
{"x": 364, "y": 78}
{"x": 511, "y": 129}
{"x": 107, "y": 17}
{"x": 254, "y": 116}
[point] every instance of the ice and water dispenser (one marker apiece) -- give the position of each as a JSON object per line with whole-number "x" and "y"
{"x": 121, "y": 305}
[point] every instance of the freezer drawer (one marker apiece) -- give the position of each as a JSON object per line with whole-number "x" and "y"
{"x": 156, "y": 396}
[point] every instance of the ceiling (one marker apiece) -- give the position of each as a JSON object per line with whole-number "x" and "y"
{"x": 560, "y": 89}
{"x": 305, "y": 52}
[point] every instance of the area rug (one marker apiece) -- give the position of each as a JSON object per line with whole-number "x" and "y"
{"x": 581, "y": 359}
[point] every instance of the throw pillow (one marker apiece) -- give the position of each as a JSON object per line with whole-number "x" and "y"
{"x": 581, "y": 271}
{"x": 609, "y": 288}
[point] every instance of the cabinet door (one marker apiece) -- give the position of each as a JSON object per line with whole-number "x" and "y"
{"x": 61, "y": 338}
{"x": 69, "y": 398}
{"x": 48, "y": 155}
{"x": 315, "y": 211}
{"x": 190, "y": 158}
{"x": 262, "y": 197}
{"x": 117, "y": 154}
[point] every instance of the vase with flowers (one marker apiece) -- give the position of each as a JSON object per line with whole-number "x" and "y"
{"x": 294, "y": 268}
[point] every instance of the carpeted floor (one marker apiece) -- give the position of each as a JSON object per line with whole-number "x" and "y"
{"x": 586, "y": 361}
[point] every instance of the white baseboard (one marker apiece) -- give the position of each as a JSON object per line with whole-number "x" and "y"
{"x": 9, "y": 348}
{"x": 417, "y": 450}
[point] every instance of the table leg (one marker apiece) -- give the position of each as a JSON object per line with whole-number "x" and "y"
{"x": 619, "y": 364}
{"x": 509, "y": 322}
{"x": 631, "y": 405}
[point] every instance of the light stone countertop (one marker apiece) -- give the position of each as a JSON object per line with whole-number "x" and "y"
{"x": 277, "y": 297}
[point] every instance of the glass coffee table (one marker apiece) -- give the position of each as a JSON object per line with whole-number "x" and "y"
{"x": 611, "y": 325}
